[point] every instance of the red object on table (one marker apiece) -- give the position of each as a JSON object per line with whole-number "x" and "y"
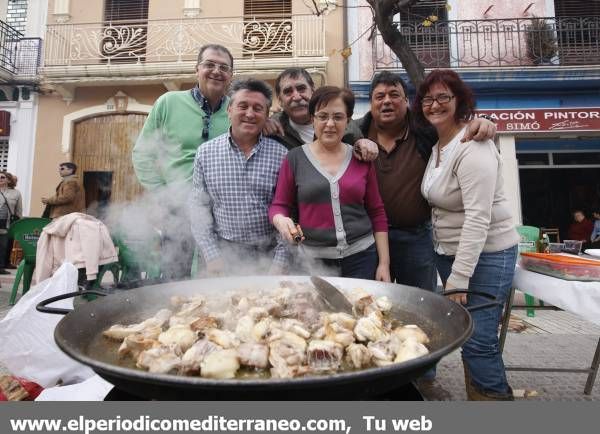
{"x": 18, "y": 389}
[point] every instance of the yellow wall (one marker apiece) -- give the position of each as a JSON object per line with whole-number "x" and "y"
{"x": 51, "y": 111}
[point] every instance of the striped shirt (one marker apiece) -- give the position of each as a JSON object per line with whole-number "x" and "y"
{"x": 231, "y": 196}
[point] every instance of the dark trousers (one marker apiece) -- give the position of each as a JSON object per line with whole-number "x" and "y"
{"x": 361, "y": 265}
{"x": 3, "y": 250}
{"x": 412, "y": 259}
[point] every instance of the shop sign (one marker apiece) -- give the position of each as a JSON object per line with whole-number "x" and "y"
{"x": 545, "y": 120}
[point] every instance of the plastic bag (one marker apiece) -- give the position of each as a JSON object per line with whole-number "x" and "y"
{"x": 92, "y": 389}
{"x": 28, "y": 349}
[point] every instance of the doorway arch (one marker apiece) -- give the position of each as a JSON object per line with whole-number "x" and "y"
{"x": 101, "y": 149}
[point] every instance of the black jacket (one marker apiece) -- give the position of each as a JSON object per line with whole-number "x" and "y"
{"x": 425, "y": 136}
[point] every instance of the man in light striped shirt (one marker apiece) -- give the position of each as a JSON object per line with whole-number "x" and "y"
{"x": 233, "y": 184}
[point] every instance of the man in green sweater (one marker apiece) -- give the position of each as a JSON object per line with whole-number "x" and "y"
{"x": 163, "y": 156}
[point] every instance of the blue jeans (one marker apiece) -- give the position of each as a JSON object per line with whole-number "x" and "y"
{"x": 361, "y": 265}
{"x": 481, "y": 354}
{"x": 412, "y": 259}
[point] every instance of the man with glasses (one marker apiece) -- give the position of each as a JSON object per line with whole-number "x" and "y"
{"x": 70, "y": 195}
{"x": 233, "y": 185}
{"x": 163, "y": 156}
{"x": 293, "y": 125}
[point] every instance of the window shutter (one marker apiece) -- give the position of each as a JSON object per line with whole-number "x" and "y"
{"x": 126, "y": 31}
{"x": 125, "y": 10}
{"x": 576, "y": 8}
{"x": 274, "y": 37}
{"x": 268, "y": 8}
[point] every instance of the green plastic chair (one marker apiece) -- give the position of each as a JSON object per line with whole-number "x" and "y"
{"x": 530, "y": 236}
{"x": 26, "y": 232}
{"x": 139, "y": 260}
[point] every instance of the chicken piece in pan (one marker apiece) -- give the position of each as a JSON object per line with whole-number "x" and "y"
{"x": 195, "y": 355}
{"x": 324, "y": 356}
{"x": 160, "y": 360}
{"x": 179, "y": 335}
{"x": 254, "y": 355}
{"x": 220, "y": 364}
{"x": 119, "y": 332}
{"x": 358, "y": 356}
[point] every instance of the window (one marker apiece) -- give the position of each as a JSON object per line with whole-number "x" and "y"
{"x": 577, "y": 24}
{"x": 125, "y": 32}
{"x": 429, "y": 43}
{"x": 267, "y": 28}
{"x": 533, "y": 159}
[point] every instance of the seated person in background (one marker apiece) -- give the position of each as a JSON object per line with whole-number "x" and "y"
{"x": 581, "y": 228}
{"x": 336, "y": 196}
{"x": 595, "y": 237}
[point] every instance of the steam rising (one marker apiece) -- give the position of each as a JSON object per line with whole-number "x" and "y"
{"x": 143, "y": 224}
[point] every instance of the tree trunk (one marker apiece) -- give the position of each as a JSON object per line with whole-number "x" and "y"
{"x": 383, "y": 15}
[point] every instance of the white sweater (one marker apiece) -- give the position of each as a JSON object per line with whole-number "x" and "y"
{"x": 470, "y": 212}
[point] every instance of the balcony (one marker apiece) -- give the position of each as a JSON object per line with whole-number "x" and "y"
{"x": 156, "y": 49}
{"x": 19, "y": 56}
{"x": 498, "y": 43}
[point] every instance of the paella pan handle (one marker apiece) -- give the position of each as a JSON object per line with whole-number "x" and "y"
{"x": 494, "y": 303}
{"x": 43, "y": 305}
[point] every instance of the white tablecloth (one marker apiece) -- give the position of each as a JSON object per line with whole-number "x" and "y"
{"x": 581, "y": 298}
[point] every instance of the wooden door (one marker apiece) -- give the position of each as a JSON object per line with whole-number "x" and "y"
{"x": 104, "y": 144}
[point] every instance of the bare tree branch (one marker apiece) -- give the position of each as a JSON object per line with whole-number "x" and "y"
{"x": 383, "y": 16}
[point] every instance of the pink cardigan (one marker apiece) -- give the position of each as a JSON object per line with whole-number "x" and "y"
{"x": 77, "y": 238}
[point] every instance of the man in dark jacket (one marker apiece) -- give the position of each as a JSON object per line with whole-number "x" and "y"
{"x": 293, "y": 126}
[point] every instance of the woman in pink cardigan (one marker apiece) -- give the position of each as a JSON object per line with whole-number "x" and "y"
{"x": 336, "y": 196}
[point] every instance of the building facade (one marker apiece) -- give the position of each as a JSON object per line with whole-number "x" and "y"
{"x": 535, "y": 68}
{"x": 106, "y": 61}
{"x": 21, "y": 24}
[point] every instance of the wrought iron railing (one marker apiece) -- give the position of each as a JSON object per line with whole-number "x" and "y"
{"x": 179, "y": 40}
{"x": 18, "y": 55}
{"x": 498, "y": 43}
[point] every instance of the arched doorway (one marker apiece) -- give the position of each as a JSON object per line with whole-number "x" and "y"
{"x": 102, "y": 151}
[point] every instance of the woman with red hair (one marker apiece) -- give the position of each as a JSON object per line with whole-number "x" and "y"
{"x": 474, "y": 235}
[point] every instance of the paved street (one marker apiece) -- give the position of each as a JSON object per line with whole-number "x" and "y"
{"x": 550, "y": 339}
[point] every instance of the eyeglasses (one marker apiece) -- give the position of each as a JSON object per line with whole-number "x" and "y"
{"x": 211, "y": 66}
{"x": 206, "y": 122}
{"x": 335, "y": 117}
{"x": 443, "y": 98}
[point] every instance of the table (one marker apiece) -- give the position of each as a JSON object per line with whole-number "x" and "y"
{"x": 581, "y": 298}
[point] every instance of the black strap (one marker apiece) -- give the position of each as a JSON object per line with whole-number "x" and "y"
{"x": 7, "y": 205}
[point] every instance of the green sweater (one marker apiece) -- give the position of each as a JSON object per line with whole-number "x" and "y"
{"x": 165, "y": 149}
